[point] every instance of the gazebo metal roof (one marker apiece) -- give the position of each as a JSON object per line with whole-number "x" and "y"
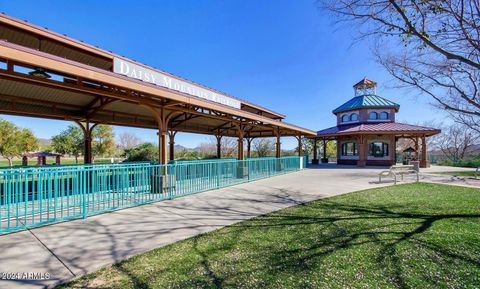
{"x": 365, "y": 101}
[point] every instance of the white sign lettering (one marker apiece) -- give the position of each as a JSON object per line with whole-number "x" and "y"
{"x": 136, "y": 71}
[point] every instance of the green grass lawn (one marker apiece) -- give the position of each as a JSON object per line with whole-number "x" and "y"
{"x": 406, "y": 236}
{"x": 461, "y": 174}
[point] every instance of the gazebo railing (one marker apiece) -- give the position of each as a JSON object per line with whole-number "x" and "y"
{"x": 33, "y": 196}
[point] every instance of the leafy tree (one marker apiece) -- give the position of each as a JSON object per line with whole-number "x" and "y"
{"x": 190, "y": 155}
{"x": 103, "y": 141}
{"x": 430, "y": 46}
{"x": 307, "y": 146}
{"x": 142, "y": 152}
{"x": 8, "y": 141}
{"x": 27, "y": 141}
{"x": 15, "y": 141}
{"x": 70, "y": 141}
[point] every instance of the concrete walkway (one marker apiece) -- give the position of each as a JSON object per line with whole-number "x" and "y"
{"x": 74, "y": 248}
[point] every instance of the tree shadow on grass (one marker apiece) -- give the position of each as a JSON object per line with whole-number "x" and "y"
{"x": 350, "y": 227}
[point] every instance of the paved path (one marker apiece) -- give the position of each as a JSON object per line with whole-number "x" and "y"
{"x": 74, "y": 248}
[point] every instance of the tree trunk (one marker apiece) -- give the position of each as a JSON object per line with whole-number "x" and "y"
{"x": 9, "y": 162}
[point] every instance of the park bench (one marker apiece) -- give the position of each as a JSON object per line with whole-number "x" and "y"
{"x": 396, "y": 170}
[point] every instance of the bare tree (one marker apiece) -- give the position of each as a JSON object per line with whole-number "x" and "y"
{"x": 228, "y": 147}
{"x": 263, "y": 146}
{"x": 128, "y": 140}
{"x": 457, "y": 141}
{"x": 431, "y": 46}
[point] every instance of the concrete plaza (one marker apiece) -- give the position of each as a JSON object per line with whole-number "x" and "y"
{"x": 70, "y": 249}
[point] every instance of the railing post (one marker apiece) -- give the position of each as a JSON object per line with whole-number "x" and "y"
{"x": 170, "y": 176}
{"x": 218, "y": 174}
{"x": 84, "y": 187}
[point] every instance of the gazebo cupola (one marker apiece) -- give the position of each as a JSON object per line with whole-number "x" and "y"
{"x": 366, "y": 106}
{"x": 365, "y": 86}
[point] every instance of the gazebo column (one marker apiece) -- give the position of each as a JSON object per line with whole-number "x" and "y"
{"x": 424, "y": 162}
{"x": 416, "y": 148}
{"x": 324, "y": 159}
{"x": 362, "y": 158}
{"x": 315, "y": 155}
{"x": 171, "y": 138}
{"x": 219, "y": 146}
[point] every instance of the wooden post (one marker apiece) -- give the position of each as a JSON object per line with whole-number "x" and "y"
{"x": 249, "y": 146}
{"x": 162, "y": 122}
{"x": 162, "y": 147}
{"x": 300, "y": 146}
{"x": 241, "y": 155}
{"x": 87, "y": 141}
{"x": 171, "y": 138}
{"x": 278, "y": 147}
{"x": 240, "y": 130}
{"x": 87, "y": 155}
{"x": 219, "y": 146}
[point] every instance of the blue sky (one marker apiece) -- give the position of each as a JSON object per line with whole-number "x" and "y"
{"x": 284, "y": 55}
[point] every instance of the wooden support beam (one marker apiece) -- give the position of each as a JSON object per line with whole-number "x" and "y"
{"x": 300, "y": 145}
{"x": 171, "y": 138}
{"x": 219, "y": 146}
{"x": 249, "y": 146}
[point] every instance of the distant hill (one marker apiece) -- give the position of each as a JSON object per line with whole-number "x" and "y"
{"x": 44, "y": 143}
{"x": 180, "y": 147}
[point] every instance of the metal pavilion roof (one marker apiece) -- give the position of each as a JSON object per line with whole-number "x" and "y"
{"x": 363, "y": 101}
{"x": 83, "y": 86}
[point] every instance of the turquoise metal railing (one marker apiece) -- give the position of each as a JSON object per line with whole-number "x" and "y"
{"x": 33, "y": 196}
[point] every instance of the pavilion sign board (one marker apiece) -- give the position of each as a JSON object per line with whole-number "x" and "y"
{"x": 136, "y": 71}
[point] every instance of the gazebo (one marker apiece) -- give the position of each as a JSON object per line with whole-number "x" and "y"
{"x": 41, "y": 158}
{"x": 366, "y": 130}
